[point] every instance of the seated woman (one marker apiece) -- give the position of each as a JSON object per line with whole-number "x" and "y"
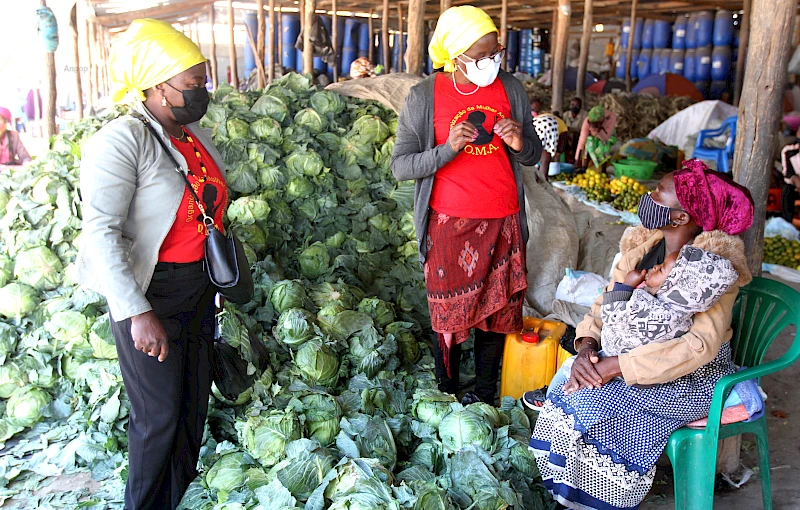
{"x": 599, "y": 435}
{"x": 12, "y": 152}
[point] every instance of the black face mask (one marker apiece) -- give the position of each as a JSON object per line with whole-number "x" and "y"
{"x": 195, "y": 105}
{"x": 575, "y": 110}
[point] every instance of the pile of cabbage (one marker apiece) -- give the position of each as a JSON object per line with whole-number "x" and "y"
{"x": 338, "y": 406}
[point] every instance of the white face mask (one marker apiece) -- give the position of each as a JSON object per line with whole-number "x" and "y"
{"x": 482, "y": 77}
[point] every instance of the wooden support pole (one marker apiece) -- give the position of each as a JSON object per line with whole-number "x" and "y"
{"x": 445, "y": 4}
{"x": 387, "y": 60}
{"x": 232, "y": 48}
{"x": 274, "y": 28}
{"x": 260, "y": 40}
{"x": 308, "y": 46}
{"x": 400, "y": 41}
{"x": 629, "y": 53}
{"x": 89, "y": 65}
{"x": 212, "y": 52}
{"x": 760, "y": 111}
{"x": 252, "y": 42}
{"x": 73, "y": 24}
{"x": 744, "y": 40}
{"x": 371, "y": 28}
{"x": 96, "y": 58}
{"x": 559, "y": 54}
{"x": 49, "y": 113}
{"x": 335, "y": 38}
{"x": 280, "y": 35}
{"x": 504, "y": 30}
{"x": 416, "y": 37}
{"x": 37, "y": 111}
{"x": 586, "y": 41}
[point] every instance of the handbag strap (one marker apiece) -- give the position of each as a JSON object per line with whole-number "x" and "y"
{"x": 209, "y": 222}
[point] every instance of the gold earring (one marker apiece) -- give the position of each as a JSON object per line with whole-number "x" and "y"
{"x": 163, "y": 101}
{"x": 674, "y": 224}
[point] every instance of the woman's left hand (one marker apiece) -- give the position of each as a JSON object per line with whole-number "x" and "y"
{"x": 510, "y": 131}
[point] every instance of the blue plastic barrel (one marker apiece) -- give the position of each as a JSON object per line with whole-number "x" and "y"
{"x": 718, "y": 88}
{"x": 677, "y": 62}
{"x": 703, "y": 86}
{"x": 364, "y": 40}
{"x": 734, "y": 54}
{"x": 647, "y": 34}
{"x": 512, "y": 57}
{"x": 251, "y": 23}
{"x": 735, "y": 42}
{"x": 643, "y": 64}
{"x": 690, "y": 65}
{"x": 663, "y": 61}
{"x": 723, "y": 28}
{"x": 662, "y": 34}
{"x": 537, "y": 61}
{"x": 637, "y": 33}
{"x": 702, "y": 58}
{"x": 655, "y": 62}
{"x": 704, "y": 29}
{"x": 289, "y": 32}
{"x": 679, "y": 33}
{"x": 349, "y": 45}
{"x": 621, "y": 63}
{"x": 691, "y": 32}
{"x": 721, "y": 63}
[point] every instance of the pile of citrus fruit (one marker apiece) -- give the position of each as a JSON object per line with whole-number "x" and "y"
{"x": 623, "y": 193}
{"x": 782, "y": 251}
{"x": 628, "y": 192}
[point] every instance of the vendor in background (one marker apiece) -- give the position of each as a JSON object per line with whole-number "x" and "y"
{"x": 575, "y": 116}
{"x": 12, "y": 152}
{"x": 143, "y": 249}
{"x": 536, "y": 107}
{"x": 463, "y": 136}
{"x": 362, "y": 68}
{"x": 597, "y": 137}
{"x": 790, "y": 191}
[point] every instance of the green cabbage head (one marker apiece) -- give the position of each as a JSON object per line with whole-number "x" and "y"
{"x": 265, "y": 436}
{"x": 40, "y": 268}
{"x": 318, "y": 363}
{"x": 431, "y": 406}
{"x": 461, "y": 428}
{"x": 17, "y": 300}
{"x": 25, "y": 405}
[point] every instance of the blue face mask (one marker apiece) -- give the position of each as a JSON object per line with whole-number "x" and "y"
{"x": 652, "y": 214}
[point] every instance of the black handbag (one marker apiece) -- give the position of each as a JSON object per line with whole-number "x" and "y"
{"x": 225, "y": 260}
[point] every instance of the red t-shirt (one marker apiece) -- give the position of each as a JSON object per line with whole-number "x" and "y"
{"x": 184, "y": 242}
{"x": 479, "y": 182}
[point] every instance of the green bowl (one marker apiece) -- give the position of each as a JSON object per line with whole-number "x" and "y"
{"x": 636, "y": 168}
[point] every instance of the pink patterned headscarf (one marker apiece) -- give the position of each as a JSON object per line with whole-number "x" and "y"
{"x": 713, "y": 200}
{"x": 6, "y": 114}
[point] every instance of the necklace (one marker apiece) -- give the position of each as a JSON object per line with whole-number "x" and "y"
{"x": 455, "y": 85}
{"x": 202, "y": 178}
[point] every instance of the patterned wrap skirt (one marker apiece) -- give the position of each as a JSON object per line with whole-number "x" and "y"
{"x": 597, "y": 448}
{"x": 475, "y": 276}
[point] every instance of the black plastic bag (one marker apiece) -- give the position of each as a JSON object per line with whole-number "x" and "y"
{"x": 229, "y": 370}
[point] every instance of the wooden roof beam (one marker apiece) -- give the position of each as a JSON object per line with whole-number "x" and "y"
{"x": 110, "y": 20}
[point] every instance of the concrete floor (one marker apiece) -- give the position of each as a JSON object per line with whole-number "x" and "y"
{"x": 783, "y": 419}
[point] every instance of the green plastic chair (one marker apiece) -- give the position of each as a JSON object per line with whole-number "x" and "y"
{"x": 762, "y": 310}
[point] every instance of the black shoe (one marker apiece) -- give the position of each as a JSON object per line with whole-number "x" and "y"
{"x": 534, "y": 400}
{"x": 469, "y": 398}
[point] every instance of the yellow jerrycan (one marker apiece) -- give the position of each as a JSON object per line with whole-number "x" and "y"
{"x": 530, "y": 357}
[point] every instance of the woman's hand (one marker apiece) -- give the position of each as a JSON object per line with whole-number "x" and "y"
{"x": 608, "y": 368}
{"x": 149, "y": 336}
{"x": 584, "y": 374}
{"x": 510, "y": 131}
{"x": 461, "y": 135}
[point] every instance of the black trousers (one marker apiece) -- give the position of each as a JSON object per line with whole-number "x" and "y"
{"x": 169, "y": 399}
{"x": 789, "y": 196}
{"x": 488, "y": 352}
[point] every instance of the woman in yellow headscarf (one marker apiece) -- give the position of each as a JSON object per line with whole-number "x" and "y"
{"x": 143, "y": 248}
{"x": 463, "y": 135}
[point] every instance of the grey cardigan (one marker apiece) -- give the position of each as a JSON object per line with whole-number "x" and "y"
{"x": 130, "y": 195}
{"x": 416, "y": 155}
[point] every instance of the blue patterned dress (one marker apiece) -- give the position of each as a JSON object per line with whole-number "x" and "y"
{"x": 597, "y": 448}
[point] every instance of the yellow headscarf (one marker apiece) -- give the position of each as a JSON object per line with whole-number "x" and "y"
{"x": 148, "y": 53}
{"x": 458, "y": 28}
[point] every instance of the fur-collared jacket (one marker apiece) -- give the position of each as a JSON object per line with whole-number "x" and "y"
{"x": 656, "y": 363}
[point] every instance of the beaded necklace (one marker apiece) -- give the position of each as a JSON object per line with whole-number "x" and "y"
{"x": 202, "y": 178}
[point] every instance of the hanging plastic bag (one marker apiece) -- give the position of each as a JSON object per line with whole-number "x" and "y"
{"x": 229, "y": 370}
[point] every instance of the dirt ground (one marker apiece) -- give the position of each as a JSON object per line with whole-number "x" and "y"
{"x": 783, "y": 419}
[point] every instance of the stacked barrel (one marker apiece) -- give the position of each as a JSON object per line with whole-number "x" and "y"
{"x": 701, "y": 47}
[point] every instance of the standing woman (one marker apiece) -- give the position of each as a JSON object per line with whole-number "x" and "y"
{"x": 597, "y": 136}
{"x": 463, "y": 135}
{"x": 143, "y": 250}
